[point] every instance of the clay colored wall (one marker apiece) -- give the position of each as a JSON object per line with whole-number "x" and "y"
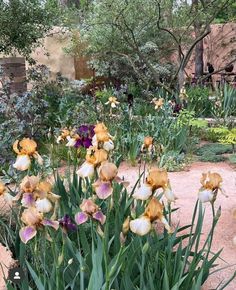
{"x": 54, "y": 56}
{"x": 219, "y": 47}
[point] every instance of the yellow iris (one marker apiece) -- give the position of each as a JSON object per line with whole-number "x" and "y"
{"x": 24, "y": 150}
{"x": 143, "y": 225}
{"x": 211, "y": 183}
{"x": 113, "y": 102}
{"x": 158, "y": 103}
{"x": 156, "y": 178}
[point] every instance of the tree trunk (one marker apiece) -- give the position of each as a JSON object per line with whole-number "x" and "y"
{"x": 199, "y": 46}
{"x": 199, "y": 64}
{"x": 181, "y": 78}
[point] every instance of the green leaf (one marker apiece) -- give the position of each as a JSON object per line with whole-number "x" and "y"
{"x": 35, "y": 278}
{"x": 96, "y": 278}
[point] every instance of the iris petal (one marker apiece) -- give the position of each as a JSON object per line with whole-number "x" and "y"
{"x": 43, "y": 205}
{"x": 86, "y": 170}
{"x": 71, "y": 141}
{"x": 38, "y": 158}
{"x": 22, "y": 162}
{"x": 144, "y": 192}
{"x": 165, "y": 223}
{"x": 81, "y": 217}
{"x": 28, "y": 199}
{"x": 27, "y": 233}
{"x": 108, "y": 145}
{"x": 99, "y": 216}
{"x": 50, "y": 223}
{"x": 140, "y": 226}
{"x": 205, "y": 195}
{"x": 103, "y": 189}
{"x": 169, "y": 195}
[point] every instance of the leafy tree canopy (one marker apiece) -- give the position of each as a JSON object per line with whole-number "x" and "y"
{"x": 23, "y": 23}
{"x": 138, "y": 38}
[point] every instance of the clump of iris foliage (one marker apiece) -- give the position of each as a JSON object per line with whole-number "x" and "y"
{"x": 90, "y": 231}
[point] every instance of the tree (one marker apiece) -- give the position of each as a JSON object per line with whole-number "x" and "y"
{"x": 23, "y": 24}
{"x": 142, "y": 36}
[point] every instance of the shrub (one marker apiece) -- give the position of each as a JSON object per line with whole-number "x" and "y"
{"x": 214, "y": 134}
{"x": 232, "y": 159}
{"x": 173, "y": 161}
{"x": 211, "y": 157}
{"x": 230, "y": 138}
{"x": 216, "y": 149}
{"x": 24, "y": 115}
{"x": 198, "y": 101}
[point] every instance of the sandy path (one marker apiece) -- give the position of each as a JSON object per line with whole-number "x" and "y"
{"x": 185, "y": 185}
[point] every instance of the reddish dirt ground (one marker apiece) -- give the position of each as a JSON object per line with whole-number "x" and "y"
{"x": 185, "y": 185}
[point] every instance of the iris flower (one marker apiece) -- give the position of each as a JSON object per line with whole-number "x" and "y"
{"x": 183, "y": 95}
{"x": 153, "y": 212}
{"x": 5, "y": 194}
{"x": 63, "y": 136}
{"x": 158, "y": 103}
{"x": 103, "y": 186}
{"x": 148, "y": 145}
{"x": 25, "y": 149}
{"x": 72, "y": 138}
{"x": 89, "y": 210}
{"x": 112, "y": 101}
{"x": 94, "y": 158}
{"x": 34, "y": 220}
{"x": 98, "y": 153}
{"x": 67, "y": 223}
{"x": 38, "y": 194}
{"x": 211, "y": 183}
{"x": 86, "y": 133}
{"x": 102, "y": 138}
{"x": 157, "y": 178}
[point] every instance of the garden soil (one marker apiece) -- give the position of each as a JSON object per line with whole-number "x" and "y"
{"x": 185, "y": 185}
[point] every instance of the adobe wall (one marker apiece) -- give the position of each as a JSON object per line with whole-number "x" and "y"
{"x": 219, "y": 47}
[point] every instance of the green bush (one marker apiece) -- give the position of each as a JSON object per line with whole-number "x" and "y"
{"x": 210, "y": 157}
{"x": 198, "y": 101}
{"x": 230, "y": 138}
{"x": 21, "y": 116}
{"x": 214, "y": 134}
{"x": 215, "y": 148}
{"x": 232, "y": 159}
{"x": 173, "y": 161}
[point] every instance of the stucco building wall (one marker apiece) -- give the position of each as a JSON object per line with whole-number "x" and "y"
{"x": 219, "y": 47}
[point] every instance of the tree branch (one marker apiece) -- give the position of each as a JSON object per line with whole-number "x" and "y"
{"x": 219, "y": 70}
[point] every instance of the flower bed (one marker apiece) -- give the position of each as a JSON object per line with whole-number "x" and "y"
{"x": 90, "y": 231}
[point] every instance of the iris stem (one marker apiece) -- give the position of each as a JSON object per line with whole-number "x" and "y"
{"x": 105, "y": 248}
{"x": 144, "y": 170}
{"x": 169, "y": 212}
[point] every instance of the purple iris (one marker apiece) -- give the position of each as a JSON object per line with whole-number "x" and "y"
{"x": 67, "y": 223}
{"x": 86, "y": 133}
